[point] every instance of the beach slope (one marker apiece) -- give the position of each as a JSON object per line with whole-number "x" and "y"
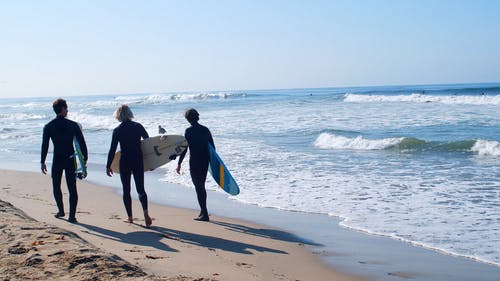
{"x": 37, "y": 245}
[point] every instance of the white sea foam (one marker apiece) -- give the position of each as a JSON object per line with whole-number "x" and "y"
{"x": 93, "y": 122}
{"x": 330, "y": 141}
{"x": 21, "y": 117}
{"x": 422, "y": 98}
{"x": 23, "y": 105}
{"x": 169, "y": 98}
{"x": 486, "y": 148}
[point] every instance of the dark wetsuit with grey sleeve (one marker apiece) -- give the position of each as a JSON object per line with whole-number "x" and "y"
{"x": 129, "y": 134}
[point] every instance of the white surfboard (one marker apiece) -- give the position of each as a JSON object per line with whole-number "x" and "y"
{"x": 156, "y": 151}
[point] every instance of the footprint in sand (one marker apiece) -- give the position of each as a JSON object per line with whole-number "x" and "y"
{"x": 401, "y": 274}
{"x": 245, "y": 265}
{"x": 133, "y": 250}
{"x": 154, "y": 257}
{"x": 33, "y": 260}
{"x": 114, "y": 217}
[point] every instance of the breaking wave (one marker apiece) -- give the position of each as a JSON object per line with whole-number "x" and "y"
{"x": 481, "y": 147}
{"x": 486, "y": 147}
{"x": 423, "y": 98}
{"x": 168, "y": 98}
{"x": 329, "y": 141}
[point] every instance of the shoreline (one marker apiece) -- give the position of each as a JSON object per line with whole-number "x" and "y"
{"x": 224, "y": 249}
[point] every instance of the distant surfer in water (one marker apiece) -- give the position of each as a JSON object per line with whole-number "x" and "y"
{"x": 198, "y": 137}
{"x": 62, "y": 131}
{"x": 129, "y": 134}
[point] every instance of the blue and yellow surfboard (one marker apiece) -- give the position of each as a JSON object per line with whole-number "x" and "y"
{"x": 221, "y": 174}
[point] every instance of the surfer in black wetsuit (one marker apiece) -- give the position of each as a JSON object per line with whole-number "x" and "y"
{"x": 62, "y": 131}
{"x": 198, "y": 137}
{"x": 129, "y": 134}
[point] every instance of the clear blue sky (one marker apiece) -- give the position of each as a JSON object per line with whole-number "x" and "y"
{"x": 62, "y": 48}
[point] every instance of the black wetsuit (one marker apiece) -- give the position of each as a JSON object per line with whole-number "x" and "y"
{"x": 198, "y": 137}
{"x": 62, "y": 131}
{"x": 129, "y": 134}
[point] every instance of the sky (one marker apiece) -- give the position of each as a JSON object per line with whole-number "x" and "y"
{"x": 64, "y": 48}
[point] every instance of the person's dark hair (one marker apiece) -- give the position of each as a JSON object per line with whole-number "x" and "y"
{"x": 58, "y": 105}
{"x": 192, "y": 115}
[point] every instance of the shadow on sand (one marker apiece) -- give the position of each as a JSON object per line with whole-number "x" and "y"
{"x": 212, "y": 242}
{"x": 266, "y": 233}
{"x": 142, "y": 238}
{"x": 151, "y": 237}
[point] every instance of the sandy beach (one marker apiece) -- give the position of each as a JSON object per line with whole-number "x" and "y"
{"x": 101, "y": 246}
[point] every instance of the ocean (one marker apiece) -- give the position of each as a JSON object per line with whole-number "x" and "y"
{"x": 413, "y": 163}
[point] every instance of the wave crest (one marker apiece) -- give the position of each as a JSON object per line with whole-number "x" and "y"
{"x": 329, "y": 141}
{"x": 422, "y": 98}
{"x": 22, "y": 116}
{"x": 481, "y": 147}
{"x": 486, "y": 148}
{"x": 168, "y": 98}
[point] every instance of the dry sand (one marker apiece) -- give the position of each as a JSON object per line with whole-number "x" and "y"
{"x": 33, "y": 250}
{"x": 101, "y": 246}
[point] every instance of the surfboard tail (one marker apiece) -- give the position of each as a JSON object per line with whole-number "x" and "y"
{"x": 221, "y": 174}
{"x": 80, "y": 166}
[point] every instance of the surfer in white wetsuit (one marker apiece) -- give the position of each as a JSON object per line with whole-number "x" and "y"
{"x": 198, "y": 137}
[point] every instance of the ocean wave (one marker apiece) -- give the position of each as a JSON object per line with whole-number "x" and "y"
{"x": 423, "y": 98}
{"x": 481, "y": 147}
{"x": 22, "y": 116}
{"x": 486, "y": 148}
{"x": 14, "y": 136}
{"x": 168, "y": 98}
{"x": 93, "y": 122}
{"x": 7, "y": 130}
{"x": 329, "y": 141}
{"x": 473, "y": 90}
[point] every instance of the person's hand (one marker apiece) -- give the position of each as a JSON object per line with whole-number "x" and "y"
{"x": 109, "y": 172}
{"x": 178, "y": 169}
{"x": 44, "y": 168}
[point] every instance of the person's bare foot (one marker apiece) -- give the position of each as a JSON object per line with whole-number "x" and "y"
{"x": 147, "y": 219}
{"x": 129, "y": 220}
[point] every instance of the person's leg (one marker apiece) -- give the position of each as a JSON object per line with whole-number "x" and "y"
{"x": 125, "y": 176}
{"x": 139, "y": 186}
{"x": 69, "y": 172}
{"x": 199, "y": 176}
{"x": 56, "y": 173}
{"x": 138, "y": 173}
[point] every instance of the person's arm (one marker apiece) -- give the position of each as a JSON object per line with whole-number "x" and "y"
{"x": 144, "y": 133}
{"x": 182, "y": 155}
{"x": 45, "y": 149}
{"x": 210, "y": 139}
{"x": 111, "y": 153}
